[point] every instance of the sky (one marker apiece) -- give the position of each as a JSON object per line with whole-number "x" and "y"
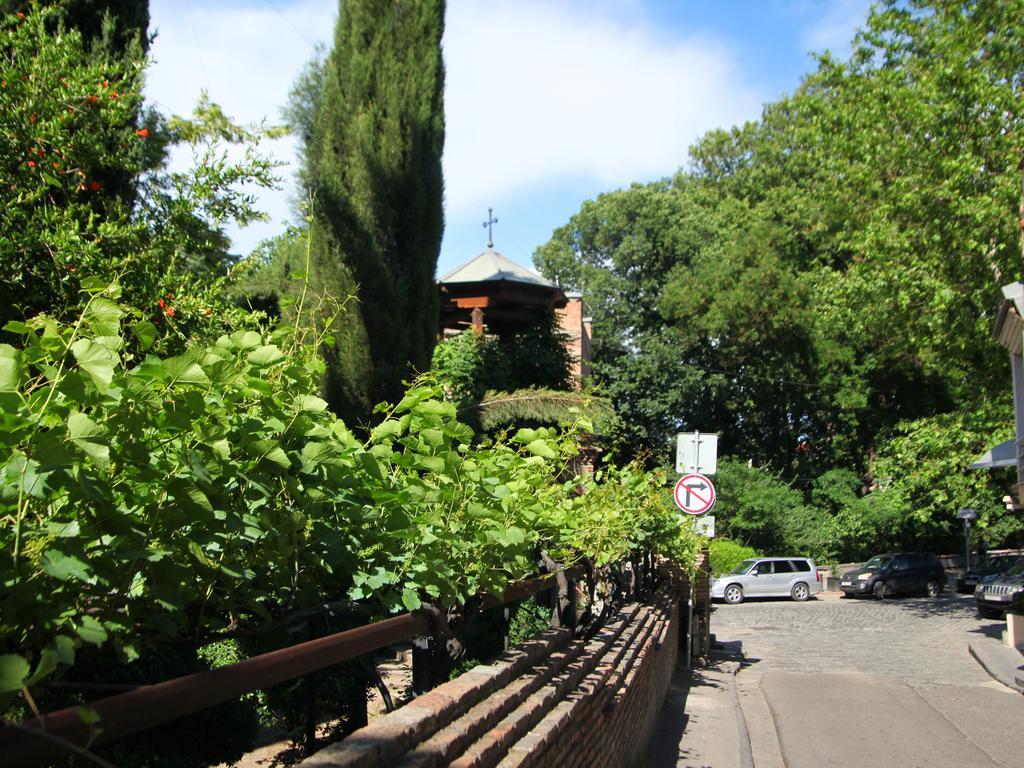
{"x": 547, "y": 104}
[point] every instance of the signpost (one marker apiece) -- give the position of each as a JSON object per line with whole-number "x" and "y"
{"x": 697, "y": 452}
{"x": 694, "y": 494}
{"x": 968, "y": 515}
{"x": 705, "y": 525}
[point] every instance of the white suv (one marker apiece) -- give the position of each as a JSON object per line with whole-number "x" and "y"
{"x": 794, "y": 577}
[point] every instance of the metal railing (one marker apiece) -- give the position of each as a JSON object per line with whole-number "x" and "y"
{"x": 43, "y": 740}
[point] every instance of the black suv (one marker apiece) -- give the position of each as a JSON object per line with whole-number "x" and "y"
{"x": 894, "y": 574}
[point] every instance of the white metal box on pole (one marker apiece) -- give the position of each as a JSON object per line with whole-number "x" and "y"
{"x": 697, "y": 452}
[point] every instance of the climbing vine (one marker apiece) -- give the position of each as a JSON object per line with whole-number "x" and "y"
{"x": 146, "y": 498}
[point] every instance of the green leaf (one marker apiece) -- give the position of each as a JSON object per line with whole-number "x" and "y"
{"x": 370, "y": 465}
{"x": 432, "y": 437}
{"x": 97, "y": 360}
{"x": 65, "y": 648}
{"x": 541, "y": 448}
{"x": 145, "y": 332}
{"x": 411, "y": 599}
{"x": 310, "y": 404}
{"x": 94, "y": 284}
{"x": 91, "y": 631}
{"x": 88, "y": 715}
{"x": 10, "y": 368}
{"x": 515, "y": 535}
{"x": 271, "y": 451}
{"x": 386, "y": 430}
{"x": 184, "y": 370}
{"x": 315, "y": 452}
{"x": 246, "y": 339}
{"x": 412, "y": 398}
{"x": 23, "y": 477}
{"x": 189, "y": 495}
{"x": 89, "y": 437}
{"x": 13, "y": 671}
{"x": 103, "y": 317}
{"x": 265, "y": 356}
{"x": 64, "y": 567}
{"x": 221, "y": 449}
{"x": 198, "y": 554}
{"x": 525, "y": 435}
{"x": 430, "y": 463}
{"x": 48, "y": 659}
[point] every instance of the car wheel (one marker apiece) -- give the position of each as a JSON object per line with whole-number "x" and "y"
{"x": 990, "y": 613}
{"x": 933, "y": 588}
{"x": 879, "y": 590}
{"x": 800, "y": 592}
{"x": 733, "y": 594}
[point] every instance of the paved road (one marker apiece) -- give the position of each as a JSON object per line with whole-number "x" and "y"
{"x": 862, "y": 684}
{"x": 913, "y": 639}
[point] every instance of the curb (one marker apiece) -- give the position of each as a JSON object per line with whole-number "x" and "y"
{"x": 746, "y": 749}
{"x": 1003, "y": 664}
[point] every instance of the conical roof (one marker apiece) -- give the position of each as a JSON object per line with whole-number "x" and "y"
{"x": 492, "y": 266}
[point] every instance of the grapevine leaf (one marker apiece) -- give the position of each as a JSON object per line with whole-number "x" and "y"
{"x": 89, "y": 437}
{"x": 103, "y": 317}
{"x": 184, "y": 370}
{"x": 430, "y": 463}
{"x": 386, "y": 430}
{"x": 145, "y": 332}
{"x": 10, "y": 368}
{"x": 311, "y": 404}
{"x": 198, "y": 554}
{"x": 265, "y": 356}
{"x": 13, "y": 671}
{"x": 97, "y": 361}
{"x": 48, "y": 659}
{"x": 541, "y": 448}
{"x": 246, "y": 339}
{"x": 64, "y": 567}
{"x": 412, "y": 398}
{"x": 91, "y": 631}
{"x": 411, "y": 599}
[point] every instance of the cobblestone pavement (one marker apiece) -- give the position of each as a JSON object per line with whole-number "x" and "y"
{"x": 918, "y": 640}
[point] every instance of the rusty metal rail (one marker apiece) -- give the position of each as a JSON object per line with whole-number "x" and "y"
{"x": 30, "y": 743}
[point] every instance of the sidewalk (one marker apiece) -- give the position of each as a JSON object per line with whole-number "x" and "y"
{"x": 701, "y": 725}
{"x": 1002, "y": 662}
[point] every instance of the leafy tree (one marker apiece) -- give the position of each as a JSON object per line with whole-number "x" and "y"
{"x": 818, "y": 285}
{"x": 373, "y": 166}
{"x": 66, "y": 115}
{"x": 759, "y": 509}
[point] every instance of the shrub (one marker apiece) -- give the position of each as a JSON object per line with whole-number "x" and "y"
{"x": 726, "y": 555}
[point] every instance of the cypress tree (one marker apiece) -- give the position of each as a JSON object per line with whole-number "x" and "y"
{"x": 373, "y": 166}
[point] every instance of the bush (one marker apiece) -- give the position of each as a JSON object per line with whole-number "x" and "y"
{"x": 726, "y": 555}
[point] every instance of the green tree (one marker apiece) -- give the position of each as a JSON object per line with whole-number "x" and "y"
{"x": 816, "y": 277}
{"x": 373, "y": 166}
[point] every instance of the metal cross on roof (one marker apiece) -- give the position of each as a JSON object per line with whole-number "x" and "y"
{"x": 491, "y": 221}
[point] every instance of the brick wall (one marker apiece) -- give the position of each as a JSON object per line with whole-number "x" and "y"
{"x": 554, "y": 702}
{"x": 577, "y": 329}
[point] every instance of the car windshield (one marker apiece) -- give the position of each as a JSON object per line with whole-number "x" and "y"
{"x": 742, "y": 567}
{"x": 1017, "y": 570}
{"x": 997, "y": 564}
{"x": 878, "y": 561}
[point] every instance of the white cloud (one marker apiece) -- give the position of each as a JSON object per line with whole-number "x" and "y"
{"x": 834, "y": 29}
{"x": 538, "y": 91}
{"x": 246, "y": 58}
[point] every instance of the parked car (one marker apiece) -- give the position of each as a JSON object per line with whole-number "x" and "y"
{"x": 795, "y": 577}
{"x": 894, "y": 574}
{"x": 992, "y": 566}
{"x": 994, "y": 594}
